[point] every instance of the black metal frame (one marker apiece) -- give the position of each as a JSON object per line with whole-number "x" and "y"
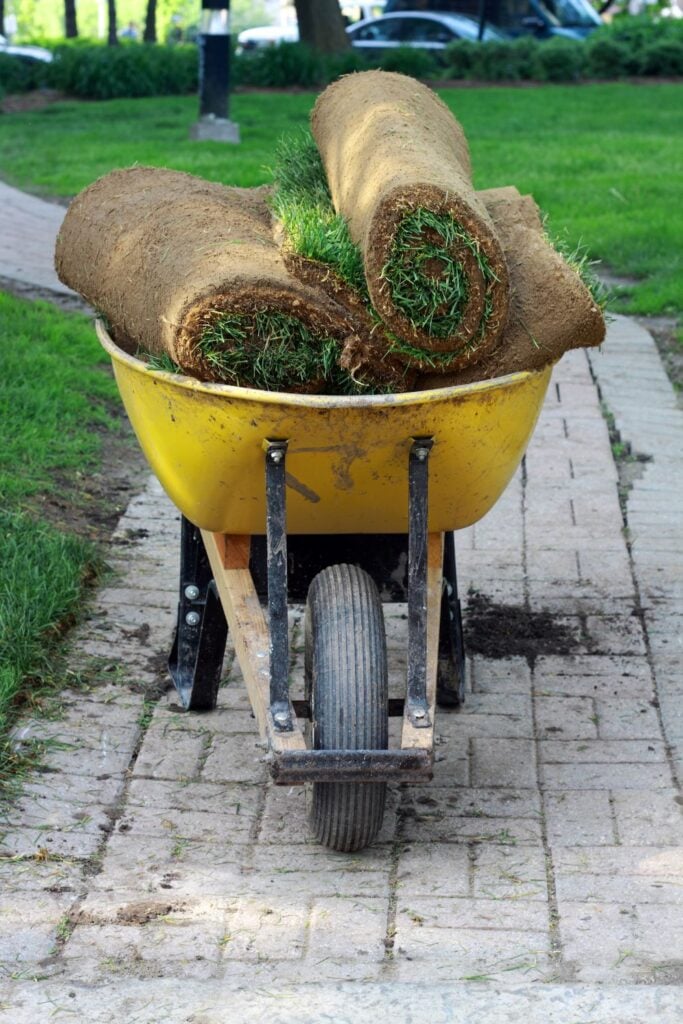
{"x": 196, "y": 658}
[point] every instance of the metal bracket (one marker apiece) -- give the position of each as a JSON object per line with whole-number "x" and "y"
{"x": 196, "y": 659}
{"x": 417, "y": 707}
{"x": 276, "y": 544}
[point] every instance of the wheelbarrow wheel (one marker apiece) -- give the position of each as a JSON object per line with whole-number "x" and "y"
{"x": 347, "y": 684}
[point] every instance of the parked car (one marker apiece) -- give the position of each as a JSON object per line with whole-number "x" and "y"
{"x": 424, "y": 31}
{"x": 271, "y": 35}
{"x": 574, "y": 19}
{"x": 266, "y": 35}
{"x": 25, "y": 52}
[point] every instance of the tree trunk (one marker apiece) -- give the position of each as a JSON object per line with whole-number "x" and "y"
{"x": 150, "y": 33}
{"x": 112, "y": 34}
{"x": 2, "y": 18}
{"x": 321, "y": 25}
{"x": 70, "y": 26}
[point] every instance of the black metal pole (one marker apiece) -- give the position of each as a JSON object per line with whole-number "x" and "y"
{"x": 214, "y": 74}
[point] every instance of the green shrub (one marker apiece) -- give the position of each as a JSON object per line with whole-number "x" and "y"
{"x": 280, "y": 66}
{"x": 560, "y": 60}
{"x": 505, "y": 62}
{"x": 460, "y": 57}
{"x": 663, "y": 59}
{"x": 608, "y": 57}
{"x": 407, "y": 60}
{"x": 101, "y": 72}
{"x": 18, "y": 75}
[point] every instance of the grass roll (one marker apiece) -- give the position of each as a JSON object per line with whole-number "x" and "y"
{"x": 398, "y": 171}
{"x": 187, "y": 272}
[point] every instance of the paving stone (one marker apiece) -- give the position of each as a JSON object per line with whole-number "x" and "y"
{"x": 503, "y": 762}
{"x": 612, "y": 943}
{"x": 601, "y": 676}
{"x": 431, "y": 815}
{"x": 627, "y": 719}
{"x": 270, "y": 928}
{"x": 28, "y": 927}
{"x": 616, "y": 634}
{"x": 160, "y": 948}
{"x": 568, "y": 718}
{"x": 280, "y": 869}
{"x": 35, "y": 876}
{"x": 172, "y": 753}
{"x": 483, "y": 716}
{"x": 347, "y": 928}
{"x": 168, "y": 866}
{"x": 504, "y": 872}
{"x": 583, "y": 818}
{"x": 238, "y": 758}
{"x": 507, "y": 676}
{"x": 619, "y": 874}
{"x": 451, "y": 930}
{"x": 584, "y": 775}
{"x": 601, "y": 751}
{"x": 196, "y": 811}
{"x": 42, "y": 842}
{"x": 647, "y": 817}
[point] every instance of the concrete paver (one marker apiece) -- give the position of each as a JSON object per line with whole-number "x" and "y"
{"x": 538, "y": 878}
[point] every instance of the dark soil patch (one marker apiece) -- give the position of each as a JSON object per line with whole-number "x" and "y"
{"x": 68, "y": 303}
{"x": 37, "y": 99}
{"x": 506, "y": 631}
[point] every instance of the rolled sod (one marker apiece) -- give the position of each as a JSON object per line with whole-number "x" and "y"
{"x": 398, "y": 170}
{"x": 187, "y": 271}
{"x": 551, "y": 309}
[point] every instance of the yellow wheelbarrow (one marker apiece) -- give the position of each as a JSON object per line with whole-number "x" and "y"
{"x": 343, "y": 503}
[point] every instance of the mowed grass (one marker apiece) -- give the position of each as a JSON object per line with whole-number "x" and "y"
{"x": 602, "y": 161}
{"x": 55, "y": 398}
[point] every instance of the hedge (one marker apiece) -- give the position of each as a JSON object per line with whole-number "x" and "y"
{"x": 628, "y": 47}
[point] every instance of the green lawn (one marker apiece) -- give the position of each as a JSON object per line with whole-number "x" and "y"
{"x": 601, "y": 160}
{"x": 55, "y": 400}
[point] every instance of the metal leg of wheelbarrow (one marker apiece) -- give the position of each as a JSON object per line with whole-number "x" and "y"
{"x": 417, "y": 706}
{"x": 450, "y": 687}
{"x": 276, "y": 539}
{"x": 196, "y": 658}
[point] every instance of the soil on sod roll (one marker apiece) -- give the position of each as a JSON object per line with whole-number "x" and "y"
{"x": 398, "y": 170}
{"x": 188, "y": 272}
{"x": 551, "y": 309}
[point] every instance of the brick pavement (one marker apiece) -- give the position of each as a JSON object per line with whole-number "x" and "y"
{"x": 538, "y": 876}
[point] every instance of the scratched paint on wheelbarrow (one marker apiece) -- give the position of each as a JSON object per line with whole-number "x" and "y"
{"x": 347, "y": 460}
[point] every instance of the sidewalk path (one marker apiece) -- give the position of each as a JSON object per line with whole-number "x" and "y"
{"x": 151, "y": 872}
{"x": 28, "y": 229}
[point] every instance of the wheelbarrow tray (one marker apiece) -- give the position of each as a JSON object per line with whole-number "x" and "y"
{"x": 346, "y": 456}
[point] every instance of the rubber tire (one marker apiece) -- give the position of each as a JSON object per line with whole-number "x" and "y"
{"x": 347, "y": 683}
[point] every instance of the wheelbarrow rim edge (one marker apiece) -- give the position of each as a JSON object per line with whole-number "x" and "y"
{"x": 320, "y": 401}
